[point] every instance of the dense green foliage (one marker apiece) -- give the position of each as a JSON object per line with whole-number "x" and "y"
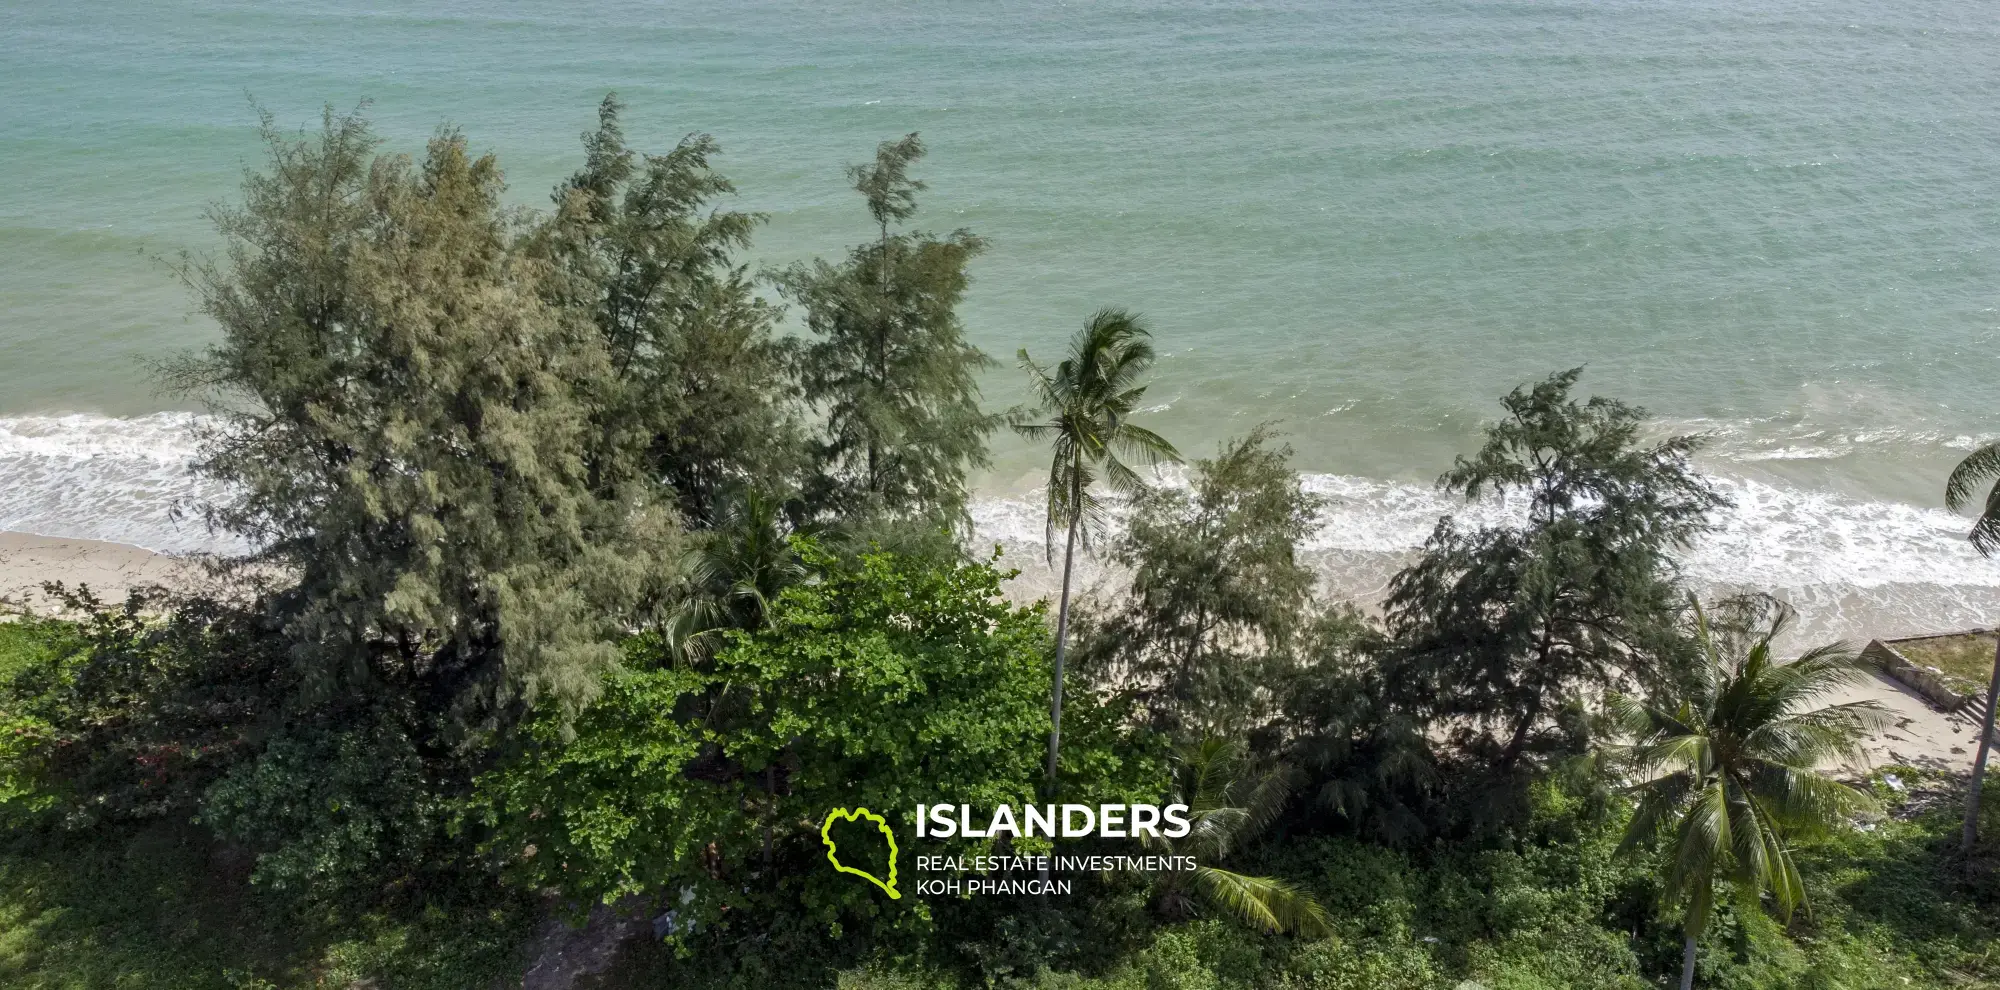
{"x": 883, "y": 684}
{"x": 699, "y": 391}
{"x": 407, "y": 421}
{"x": 1231, "y": 798}
{"x": 579, "y": 588}
{"x": 1504, "y": 633}
{"x": 1218, "y": 593}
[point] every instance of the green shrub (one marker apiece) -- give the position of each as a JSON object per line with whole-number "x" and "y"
{"x": 891, "y": 681}
{"x": 130, "y": 712}
{"x": 328, "y": 809}
{"x": 1335, "y": 964}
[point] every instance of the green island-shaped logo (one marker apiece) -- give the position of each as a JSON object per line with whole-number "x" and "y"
{"x": 833, "y": 853}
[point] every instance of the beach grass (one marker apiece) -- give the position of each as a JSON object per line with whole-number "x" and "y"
{"x": 1967, "y": 657}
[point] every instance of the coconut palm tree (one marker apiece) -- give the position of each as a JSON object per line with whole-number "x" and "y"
{"x": 735, "y": 570}
{"x": 1729, "y": 768}
{"x": 1230, "y": 801}
{"x": 1980, "y": 466}
{"x": 1088, "y": 401}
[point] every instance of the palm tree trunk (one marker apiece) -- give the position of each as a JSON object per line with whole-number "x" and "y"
{"x": 1687, "y": 961}
{"x": 1971, "y": 832}
{"x": 1062, "y": 635}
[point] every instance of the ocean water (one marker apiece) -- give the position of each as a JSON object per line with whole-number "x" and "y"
{"x": 1773, "y": 221}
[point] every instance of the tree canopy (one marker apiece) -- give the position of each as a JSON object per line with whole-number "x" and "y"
{"x": 406, "y": 425}
{"x": 888, "y": 366}
{"x": 1217, "y": 594}
{"x": 886, "y": 682}
{"x": 699, "y": 390}
{"x": 1502, "y": 630}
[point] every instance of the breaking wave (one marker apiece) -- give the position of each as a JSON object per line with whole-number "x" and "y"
{"x": 1855, "y": 567}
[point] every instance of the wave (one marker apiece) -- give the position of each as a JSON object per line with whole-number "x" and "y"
{"x": 1770, "y": 536}
{"x": 1854, "y": 565}
{"x": 124, "y": 480}
{"x": 1853, "y": 568}
{"x": 1801, "y": 436}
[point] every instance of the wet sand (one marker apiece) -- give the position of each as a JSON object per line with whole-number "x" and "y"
{"x": 28, "y": 561}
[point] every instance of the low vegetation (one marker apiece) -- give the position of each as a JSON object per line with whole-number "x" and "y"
{"x": 1967, "y": 658}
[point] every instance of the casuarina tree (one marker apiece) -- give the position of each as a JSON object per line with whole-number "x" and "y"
{"x": 888, "y": 367}
{"x": 700, "y": 392}
{"x": 1085, "y": 405}
{"x": 1218, "y": 592}
{"x": 1501, "y": 629}
{"x": 403, "y": 425}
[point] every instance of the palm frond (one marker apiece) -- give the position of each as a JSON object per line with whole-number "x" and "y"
{"x": 1206, "y": 767}
{"x": 1660, "y": 801}
{"x": 1120, "y": 476}
{"x": 1764, "y": 860}
{"x": 1702, "y": 840}
{"x": 1216, "y": 830}
{"x": 1985, "y": 535}
{"x": 1979, "y": 467}
{"x": 1691, "y": 753}
{"x": 1817, "y": 737}
{"x": 1265, "y": 902}
{"x": 1269, "y": 795}
{"x": 1802, "y": 802}
{"x": 1144, "y": 445}
{"x": 1820, "y": 670}
{"x": 1741, "y": 750}
{"x": 1036, "y": 431}
{"x": 1079, "y": 408}
{"x": 1629, "y": 715}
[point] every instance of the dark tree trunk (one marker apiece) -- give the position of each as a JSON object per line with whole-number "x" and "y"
{"x": 1519, "y": 741}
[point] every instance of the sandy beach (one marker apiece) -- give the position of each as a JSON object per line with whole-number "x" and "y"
{"x": 1921, "y": 736}
{"x": 28, "y": 561}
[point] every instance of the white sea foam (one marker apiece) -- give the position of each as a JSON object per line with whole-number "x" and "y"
{"x": 1862, "y": 565}
{"x": 1854, "y": 568}
{"x": 100, "y": 478}
{"x": 1771, "y": 536}
{"x": 1798, "y": 437}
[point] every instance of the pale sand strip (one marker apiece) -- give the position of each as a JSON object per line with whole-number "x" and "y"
{"x": 109, "y": 569}
{"x": 1922, "y": 735}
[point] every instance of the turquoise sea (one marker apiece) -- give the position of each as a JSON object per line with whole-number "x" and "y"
{"x": 1777, "y": 221}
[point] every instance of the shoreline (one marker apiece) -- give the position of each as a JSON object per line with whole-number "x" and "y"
{"x": 1857, "y": 565}
{"x": 28, "y": 560}
{"x": 1921, "y": 735}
